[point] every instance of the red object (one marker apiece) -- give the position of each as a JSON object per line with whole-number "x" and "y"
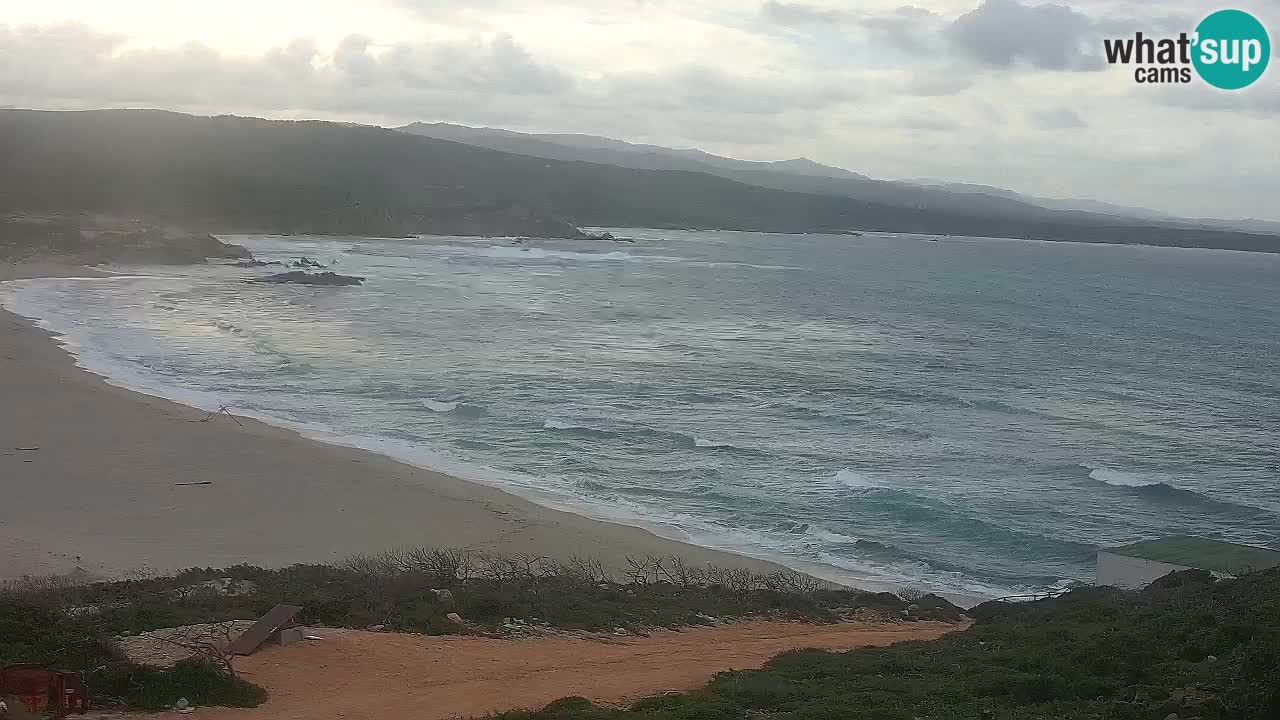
{"x": 42, "y": 690}
{"x": 72, "y": 696}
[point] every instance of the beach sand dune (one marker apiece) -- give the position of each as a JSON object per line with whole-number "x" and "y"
{"x": 355, "y": 674}
{"x": 96, "y": 477}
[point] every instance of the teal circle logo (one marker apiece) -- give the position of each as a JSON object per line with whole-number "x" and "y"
{"x": 1231, "y": 49}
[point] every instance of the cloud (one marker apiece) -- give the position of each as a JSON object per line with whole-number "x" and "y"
{"x": 788, "y": 13}
{"x": 1261, "y": 99}
{"x": 908, "y": 28}
{"x": 1059, "y": 118}
{"x": 486, "y": 80}
{"x": 938, "y": 81}
{"x": 1006, "y": 33}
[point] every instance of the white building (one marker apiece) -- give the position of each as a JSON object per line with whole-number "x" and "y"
{"x": 1138, "y": 565}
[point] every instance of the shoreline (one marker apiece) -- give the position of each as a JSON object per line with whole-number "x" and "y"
{"x": 124, "y": 481}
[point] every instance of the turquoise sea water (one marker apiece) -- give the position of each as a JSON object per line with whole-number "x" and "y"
{"x": 973, "y": 416}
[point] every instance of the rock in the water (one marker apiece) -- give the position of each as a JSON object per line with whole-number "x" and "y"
{"x": 306, "y": 278}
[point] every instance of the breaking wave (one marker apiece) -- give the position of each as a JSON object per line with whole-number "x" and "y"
{"x": 1118, "y": 478}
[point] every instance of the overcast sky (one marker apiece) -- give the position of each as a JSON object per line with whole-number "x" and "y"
{"x": 1002, "y": 92}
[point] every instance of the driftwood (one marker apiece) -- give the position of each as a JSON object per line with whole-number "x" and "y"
{"x": 222, "y": 410}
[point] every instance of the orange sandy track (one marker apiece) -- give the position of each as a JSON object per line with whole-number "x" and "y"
{"x": 356, "y": 675}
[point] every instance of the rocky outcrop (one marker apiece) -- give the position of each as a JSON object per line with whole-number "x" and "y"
{"x": 98, "y": 240}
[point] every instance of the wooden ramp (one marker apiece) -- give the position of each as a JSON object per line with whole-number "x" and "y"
{"x": 280, "y": 617}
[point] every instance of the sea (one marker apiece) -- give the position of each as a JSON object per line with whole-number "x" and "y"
{"x": 960, "y": 415}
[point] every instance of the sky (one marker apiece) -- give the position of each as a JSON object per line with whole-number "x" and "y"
{"x": 1010, "y": 93}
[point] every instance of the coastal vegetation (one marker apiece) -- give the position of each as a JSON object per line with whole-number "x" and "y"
{"x": 1189, "y": 646}
{"x": 77, "y": 625}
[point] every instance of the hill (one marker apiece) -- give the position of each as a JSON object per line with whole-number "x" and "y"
{"x": 244, "y": 174}
{"x": 806, "y": 176}
{"x": 796, "y": 175}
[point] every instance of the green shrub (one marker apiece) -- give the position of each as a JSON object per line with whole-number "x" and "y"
{"x": 155, "y": 690}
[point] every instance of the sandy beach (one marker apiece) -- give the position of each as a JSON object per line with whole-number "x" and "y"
{"x": 111, "y": 481}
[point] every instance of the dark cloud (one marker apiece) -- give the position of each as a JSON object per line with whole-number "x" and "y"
{"x": 1006, "y": 33}
{"x": 1059, "y": 118}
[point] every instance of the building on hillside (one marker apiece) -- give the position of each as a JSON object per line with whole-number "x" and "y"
{"x": 1138, "y": 565}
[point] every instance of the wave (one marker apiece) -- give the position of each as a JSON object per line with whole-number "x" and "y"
{"x": 832, "y": 537}
{"x": 553, "y": 424}
{"x": 1160, "y": 491}
{"x": 857, "y": 481}
{"x": 837, "y": 417}
{"x": 535, "y": 253}
{"x": 669, "y": 438}
{"x": 439, "y": 406}
{"x": 1118, "y": 478}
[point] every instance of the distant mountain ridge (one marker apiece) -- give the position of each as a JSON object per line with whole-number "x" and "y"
{"x": 797, "y": 175}
{"x": 803, "y": 175}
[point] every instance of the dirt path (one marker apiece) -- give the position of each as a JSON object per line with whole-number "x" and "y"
{"x": 353, "y": 674}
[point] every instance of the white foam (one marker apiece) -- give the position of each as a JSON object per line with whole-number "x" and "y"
{"x": 856, "y": 480}
{"x": 829, "y": 536}
{"x": 1118, "y": 478}
{"x": 440, "y": 407}
{"x": 704, "y": 443}
{"x": 526, "y": 253}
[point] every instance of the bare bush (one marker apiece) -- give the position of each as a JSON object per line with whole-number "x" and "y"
{"x": 210, "y": 644}
{"x": 911, "y": 595}
{"x": 445, "y": 566}
{"x": 786, "y": 581}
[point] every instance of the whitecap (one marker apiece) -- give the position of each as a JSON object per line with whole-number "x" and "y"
{"x": 856, "y": 480}
{"x": 439, "y": 406}
{"x": 1118, "y": 478}
{"x": 524, "y": 253}
{"x": 704, "y": 443}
